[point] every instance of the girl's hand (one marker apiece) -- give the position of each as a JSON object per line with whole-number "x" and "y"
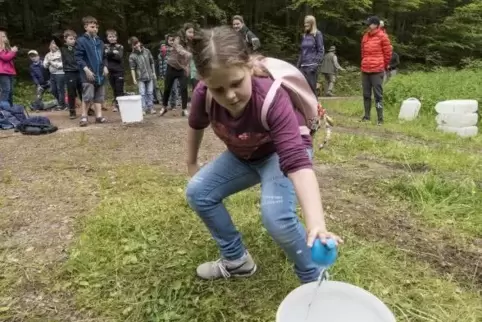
{"x": 322, "y": 234}
{"x": 14, "y": 49}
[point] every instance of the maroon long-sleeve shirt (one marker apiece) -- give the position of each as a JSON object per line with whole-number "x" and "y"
{"x": 245, "y": 135}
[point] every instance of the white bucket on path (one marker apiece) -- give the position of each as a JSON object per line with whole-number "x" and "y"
{"x": 130, "y": 108}
{"x": 334, "y": 302}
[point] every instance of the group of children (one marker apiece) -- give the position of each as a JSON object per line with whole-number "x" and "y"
{"x": 84, "y": 64}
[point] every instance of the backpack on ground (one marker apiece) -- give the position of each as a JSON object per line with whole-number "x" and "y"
{"x": 36, "y": 125}
{"x": 294, "y": 82}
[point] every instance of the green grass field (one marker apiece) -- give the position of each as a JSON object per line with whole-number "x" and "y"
{"x": 407, "y": 200}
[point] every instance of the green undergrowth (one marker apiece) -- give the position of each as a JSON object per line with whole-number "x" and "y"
{"x": 136, "y": 256}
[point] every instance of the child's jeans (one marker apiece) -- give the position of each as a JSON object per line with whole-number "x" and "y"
{"x": 57, "y": 84}
{"x": 146, "y": 89}
{"x": 6, "y": 88}
{"x": 227, "y": 175}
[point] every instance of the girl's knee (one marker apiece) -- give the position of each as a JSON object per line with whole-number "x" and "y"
{"x": 277, "y": 221}
{"x": 195, "y": 194}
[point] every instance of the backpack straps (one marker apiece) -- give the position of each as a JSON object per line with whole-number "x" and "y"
{"x": 209, "y": 100}
{"x": 268, "y": 100}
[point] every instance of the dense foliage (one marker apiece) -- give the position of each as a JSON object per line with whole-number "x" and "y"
{"x": 432, "y": 32}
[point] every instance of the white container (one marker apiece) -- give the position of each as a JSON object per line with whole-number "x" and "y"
{"x": 457, "y": 106}
{"x": 409, "y": 109}
{"x": 332, "y": 302}
{"x": 460, "y": 131}
{"x": 130, "y": 108}
{"x": 457, "y": 119}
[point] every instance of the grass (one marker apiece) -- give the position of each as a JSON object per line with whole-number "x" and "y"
{"x": 135, "y": 253}
{"x": 347, "y": 113}
{"x": 443, "y": 185}
{"x": 136, "y": 257}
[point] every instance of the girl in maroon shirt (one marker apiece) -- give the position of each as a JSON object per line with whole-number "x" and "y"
{"x": 279, "y": 159}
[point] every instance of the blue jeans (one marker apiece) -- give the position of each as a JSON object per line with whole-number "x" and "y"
{"x": 6, "y": 88}
{"x": 146, "y": 90}
{"x": 57, "y": 85}
{"x": 227, "y": 175}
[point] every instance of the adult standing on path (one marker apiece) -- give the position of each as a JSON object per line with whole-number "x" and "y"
{"x": 329, "y": 68}
{"x": 251, "y": 40}
{"x": 7, "y": 68}
{"x": 312, "y": 51}
{"x": 376, "y": 52}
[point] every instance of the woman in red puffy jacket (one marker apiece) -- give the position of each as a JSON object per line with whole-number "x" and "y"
{"x": 376, "y": 52}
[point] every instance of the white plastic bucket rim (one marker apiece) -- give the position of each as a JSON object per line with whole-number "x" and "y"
{"x": 334, "y": 302}
{"x": 129, "y": 98}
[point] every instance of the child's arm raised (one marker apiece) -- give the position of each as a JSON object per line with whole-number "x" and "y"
{"x": 296, "y": 164}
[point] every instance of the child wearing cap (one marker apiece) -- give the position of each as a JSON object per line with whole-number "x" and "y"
{"x": 40, "y": 75}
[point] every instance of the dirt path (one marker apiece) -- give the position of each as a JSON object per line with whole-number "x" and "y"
{"x": 48, "y": 183}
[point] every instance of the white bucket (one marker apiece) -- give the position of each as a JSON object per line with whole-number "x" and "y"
{"x": 457, "y": 119}
{"x": 467, "y": 131}
{"x": 334, "y": 302}
{"x": 457, "y": 106}
{"x": 409, "y": 109}
{"x": 130, "y": 108}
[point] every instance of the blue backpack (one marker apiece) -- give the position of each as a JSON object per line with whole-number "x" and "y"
{"x": 16, "y": 117}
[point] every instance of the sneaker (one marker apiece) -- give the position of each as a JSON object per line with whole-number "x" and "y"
{"x": 365, "y": 119}
{"x": 72, "y": 115}
{"x": 83, "y": 121}
{"x": 222, "y": 268}
{"x": 163, "y": 111}
{"x": 380, "y": 123}
{"x": 152, "y": 111}
{"x": 185, "y": 113}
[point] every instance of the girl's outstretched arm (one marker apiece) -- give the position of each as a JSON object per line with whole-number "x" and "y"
{"x": 296, "y": 164}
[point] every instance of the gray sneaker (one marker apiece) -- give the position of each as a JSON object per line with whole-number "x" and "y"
{"x": 222, "y": 268}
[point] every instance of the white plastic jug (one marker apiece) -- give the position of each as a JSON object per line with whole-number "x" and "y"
{"x": 409, "y": 109}
{"x": 457, "y": 106}
{"x": 130, "y": 108}
{"x": 457, "y": 119}
{"x": 467, "y": 131}
{"x": 332, "y": 301}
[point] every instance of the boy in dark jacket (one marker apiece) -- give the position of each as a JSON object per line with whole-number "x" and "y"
{"x": 89, "y": 54}
{"x": 114, "y": 53}
{"x": 71, "y": 70}
{"x": 40, "y": 75}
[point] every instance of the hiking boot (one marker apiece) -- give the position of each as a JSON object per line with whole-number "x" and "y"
{"x": 222, "y": 268}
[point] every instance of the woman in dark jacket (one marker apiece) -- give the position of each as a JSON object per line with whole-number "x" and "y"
{"x": 312, "y": 51}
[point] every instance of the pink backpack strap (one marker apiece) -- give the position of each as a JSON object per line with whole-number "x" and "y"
{"x": 209, "y": 101}
{"x": 268, "y": 101}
